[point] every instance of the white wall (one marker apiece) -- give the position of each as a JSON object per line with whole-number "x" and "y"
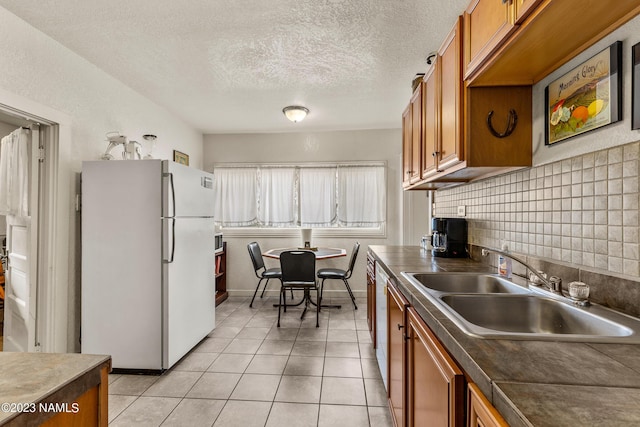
{"x": 309, "y": 147}
{"x": 39, "y": 69}
{"x": 606, "y": 137}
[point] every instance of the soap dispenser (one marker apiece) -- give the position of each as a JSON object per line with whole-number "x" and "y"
{"x": 504, "y": 263}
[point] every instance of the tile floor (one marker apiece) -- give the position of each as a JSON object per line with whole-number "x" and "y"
{"x": 248, "y": 372}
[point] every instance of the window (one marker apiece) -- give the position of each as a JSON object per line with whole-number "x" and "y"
{"x": 312, "y": 196}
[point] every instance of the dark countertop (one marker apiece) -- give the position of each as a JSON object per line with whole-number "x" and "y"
{"x": 531, "y": 383}
{"x": 27, "y": 378}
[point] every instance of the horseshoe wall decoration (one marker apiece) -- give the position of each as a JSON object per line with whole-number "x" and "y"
{"x": 511, "y": 124}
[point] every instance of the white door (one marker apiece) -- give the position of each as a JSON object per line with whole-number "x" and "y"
{"x": 21, "y": 276}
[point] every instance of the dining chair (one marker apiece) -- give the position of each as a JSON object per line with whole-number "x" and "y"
{"x": 339, "y": 274}
{"x": 298, "y": 272}
{"x": 260, "y": 270}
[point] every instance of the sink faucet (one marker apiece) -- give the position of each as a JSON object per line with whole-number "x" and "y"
{"x": 553, "y": 283}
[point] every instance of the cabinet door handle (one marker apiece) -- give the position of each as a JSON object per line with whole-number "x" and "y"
{"x": 400, "y": 326}
{"x": 435, "y": 153}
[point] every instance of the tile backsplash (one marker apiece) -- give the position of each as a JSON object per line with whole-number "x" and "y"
{"x": 582, "y": 211}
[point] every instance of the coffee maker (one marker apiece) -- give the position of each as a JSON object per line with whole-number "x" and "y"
{"x": 449, "y": 238}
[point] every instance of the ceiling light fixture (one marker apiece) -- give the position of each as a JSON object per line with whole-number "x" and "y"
{"x": 295, "y": 113}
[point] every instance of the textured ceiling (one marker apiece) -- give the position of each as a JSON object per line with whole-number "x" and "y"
{"x": 231, "y": 66}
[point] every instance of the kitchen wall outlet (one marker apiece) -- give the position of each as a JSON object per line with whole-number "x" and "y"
{"x": 462, "y": 210}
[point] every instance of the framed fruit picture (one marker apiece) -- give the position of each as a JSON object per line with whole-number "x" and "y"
{"x": 635, "y": 86}
{"x": 586, "y": 98}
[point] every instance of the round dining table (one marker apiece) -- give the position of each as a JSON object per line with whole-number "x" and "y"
{"x": 321, "y": 253}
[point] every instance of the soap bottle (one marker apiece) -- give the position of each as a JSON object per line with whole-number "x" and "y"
{"x": 504, "y": 263}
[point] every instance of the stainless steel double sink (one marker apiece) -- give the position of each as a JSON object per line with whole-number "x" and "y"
{"x": 489, "y": 306}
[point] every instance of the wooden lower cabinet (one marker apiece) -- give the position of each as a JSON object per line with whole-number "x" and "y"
{"x": 435, "y": 383}
{"x": 481, "y": 411}
{"x": 396, "y": 354}
{"x": 425, "y": 385}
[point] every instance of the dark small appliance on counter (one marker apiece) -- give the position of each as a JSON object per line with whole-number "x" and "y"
{"x": 449, "y": 238}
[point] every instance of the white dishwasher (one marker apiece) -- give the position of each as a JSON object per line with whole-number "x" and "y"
{"x": 381, "y": 321}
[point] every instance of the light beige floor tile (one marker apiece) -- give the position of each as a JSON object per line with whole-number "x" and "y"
{"x": 367, "y": 351}
{"x": 118, "y": 403}
{"x": 343, "y": 391}
{"x": 237, "y": 413}
{"x": 293, "y": 414}
{"x": 113, "y": 377}
{"x": 256, "y": 387}
{"x": 362, "y": 325}
{"x": 146, "y": 412}
{"x": 132, "y": 385}
{"x": 243, "y": 346}
{"x": 276, "y": 347}
{"x": 301, "y": 389}
{"x": 343, "y": 349}
{"x": 308, "y": 348}
{"x": 309, "y": 334}
{"x": 342, "y": 367}
{"x": 225, "y": 331}
{"x": 305, "y": 365}
{"x": 380, "y": 417}
{"x": 290, "y": 319}
{"x": 196, "y": 362}
{"x": 342, "y": 335}
{"x": 341, "y": 415}
{"x": 348, "y": 324}
{"x": 229, "y": 362}
{"x": 376, "y": 393}
{"x": 267, "y": 364}
{"x": 214, "y": 385}
{"x": 282, "y": 333}
{"x": 253, "y": 333}
{"x": 173, "y": 384}
{"x": 364, "y": 336}
{"x": 195, "y": 412}
{"x": 370, "y": 369}
{"x": 234, "y": 322}
{"x": 212, "y": 345}
{"x": 261, "y": 322}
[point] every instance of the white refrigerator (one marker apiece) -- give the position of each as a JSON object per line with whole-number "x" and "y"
{"x": 148, "y": 282}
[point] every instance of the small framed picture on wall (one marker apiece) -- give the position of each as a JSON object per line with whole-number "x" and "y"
{"x": 180, "y": 157}
{"x": 635, "y": 86}
{"x": 585, "y": 98}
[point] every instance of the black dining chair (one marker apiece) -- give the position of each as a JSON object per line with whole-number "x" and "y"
{"x": 258, "y": 264}
{"x": 339, "y": 274}
{"x": 298, "y": 272}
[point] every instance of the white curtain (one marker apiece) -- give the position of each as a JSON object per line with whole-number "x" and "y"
{"x": 277, "y": 196}
{"x": 235, "y": 196}
{"x": 361, "y": 196}
{"x": 317, "y": 197}
{"x": 14, "y": 173}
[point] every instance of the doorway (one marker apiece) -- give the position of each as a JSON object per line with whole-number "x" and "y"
{"x": 23, "y": 149}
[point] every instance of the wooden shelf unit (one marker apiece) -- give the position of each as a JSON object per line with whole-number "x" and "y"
{"x": 220, "y": 266}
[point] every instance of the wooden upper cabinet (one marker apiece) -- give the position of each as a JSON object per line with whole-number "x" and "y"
{"x": 431, "y": 129}
{"x": 523, "y": 8}
{"x": 449, "y": 66}
{"x": 481, "y": 411}
{"x": 417, "y": 120}
{"x": 435, "y": 382}
{"x": 529, "y": 50}
{"x": 486, "y": 24}
{"x": 407, "y": 144}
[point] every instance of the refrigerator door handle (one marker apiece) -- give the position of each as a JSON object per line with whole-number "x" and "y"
{"x": 173, "y": 240}
{"x": 173, "y": 193}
